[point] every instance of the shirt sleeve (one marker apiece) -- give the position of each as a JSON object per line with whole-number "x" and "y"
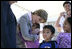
{"x": 61, "y": 21}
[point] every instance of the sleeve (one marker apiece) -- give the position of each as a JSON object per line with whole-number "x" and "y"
{"x": 61, "y": 21}
{"x": 25, "y": 30}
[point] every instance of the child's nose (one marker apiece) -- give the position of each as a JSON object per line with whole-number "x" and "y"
{"x": 45, "y": 34}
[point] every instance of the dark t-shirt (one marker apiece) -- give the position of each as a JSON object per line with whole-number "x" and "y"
{"x": 8, "y": 26}
{"x": 49, "y": 44}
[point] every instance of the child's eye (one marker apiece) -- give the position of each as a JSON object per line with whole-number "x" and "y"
{"x": 47, "y": 32}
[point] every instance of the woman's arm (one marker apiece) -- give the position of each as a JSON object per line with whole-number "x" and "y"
{"x": 25, "y": 30}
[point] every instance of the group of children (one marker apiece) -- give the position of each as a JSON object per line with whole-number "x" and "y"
{"x": 48, "y": 33}
{"x": 63, "y": 39}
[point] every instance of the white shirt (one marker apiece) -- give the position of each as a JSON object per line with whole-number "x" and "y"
{"x": 61, "y": 22}
{"x": 30, "y": 16}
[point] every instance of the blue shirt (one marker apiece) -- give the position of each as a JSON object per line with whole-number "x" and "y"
{"x": 50, "y": 44}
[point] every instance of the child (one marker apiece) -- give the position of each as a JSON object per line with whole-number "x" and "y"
{"x": 48, "y": 32}
{"x": 68, "y": 14}
{"x": 64, "y": 39}
{"x": 35, "y": 28}
{"x": 35, "y": 31}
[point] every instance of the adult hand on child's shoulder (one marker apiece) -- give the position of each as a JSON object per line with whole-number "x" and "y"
{"x": 36, "y": 31}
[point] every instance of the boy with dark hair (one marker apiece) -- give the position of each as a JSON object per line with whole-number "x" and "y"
{"x": 48, "y": 32}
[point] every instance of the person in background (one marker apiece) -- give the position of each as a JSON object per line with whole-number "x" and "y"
{"x": 48, "y": 33}
{"x": 8, "y": 25}
{"x": 64, "y": 39}
{"x": 63, "y": 15}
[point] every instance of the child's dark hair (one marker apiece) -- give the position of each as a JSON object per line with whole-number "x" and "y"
{"x": 37, "y": 25}
{"x": 50, "y": 27}
{"x": 69, "y": 20}
{"x": 67, "y": 2}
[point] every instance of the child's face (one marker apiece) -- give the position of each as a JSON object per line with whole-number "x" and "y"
{"x": 69, "y": 12}
{"x": 47, "y": 34}
{"x": 66, "y": 26}
{"x": 34, "y": 29}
